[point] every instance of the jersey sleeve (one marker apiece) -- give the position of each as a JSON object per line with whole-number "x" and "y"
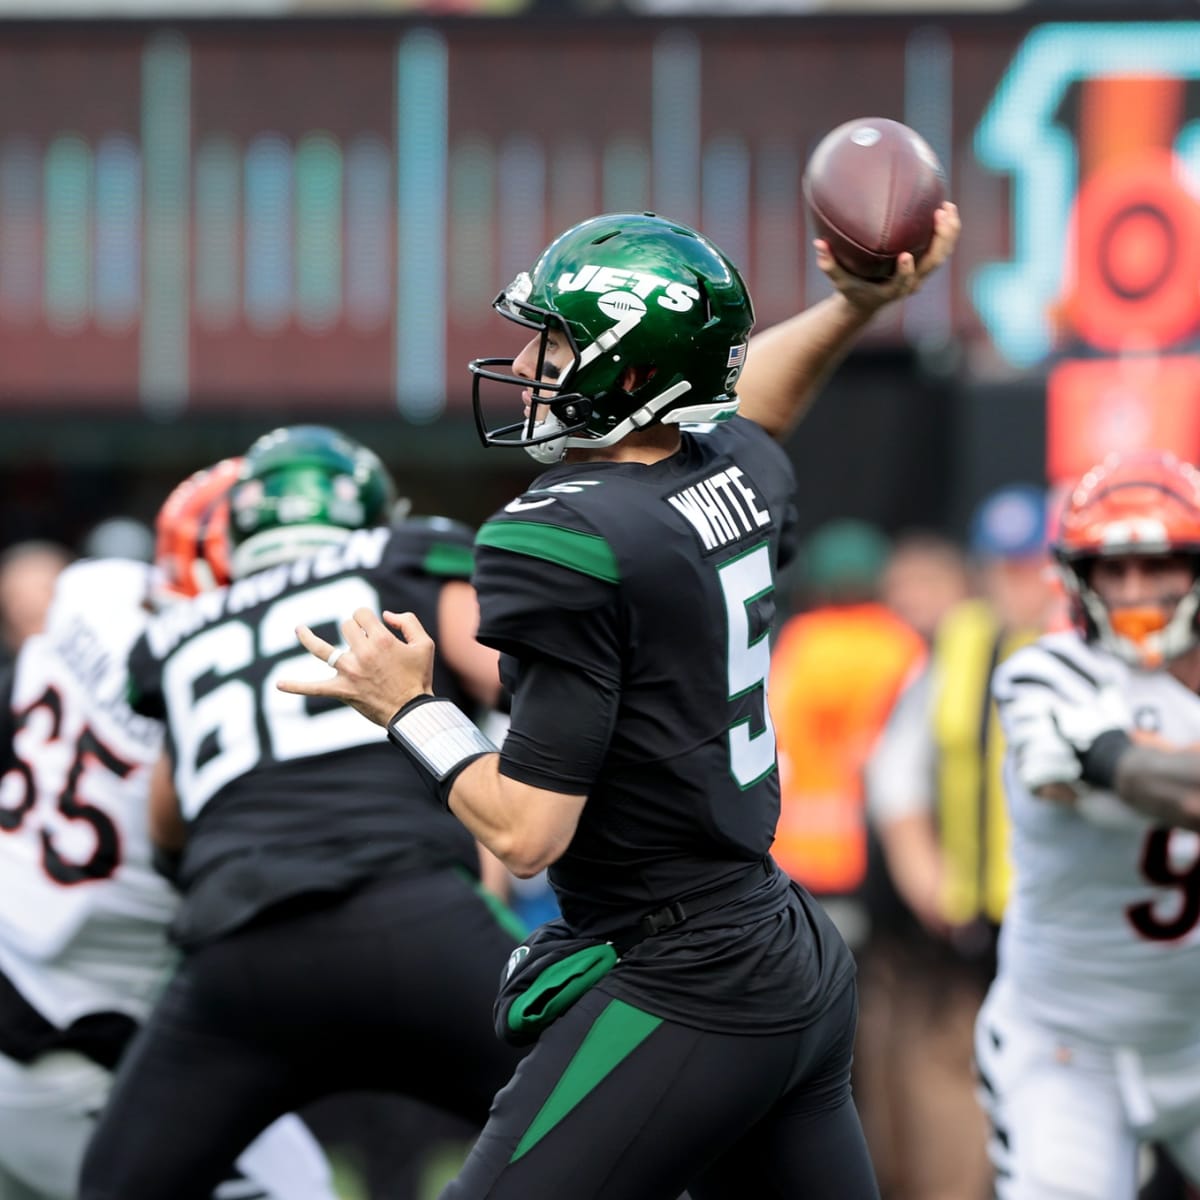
{"x": 547, "y": 586}
{"x": 561, "y": 726}
{"x": 433, "y": 546}
{"x": 144, "y": 690}
{"x": 1028, "y": 689}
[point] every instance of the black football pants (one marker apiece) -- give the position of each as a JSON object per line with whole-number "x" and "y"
{"x": 389, "y": 988}
{"x": 613, "y": 1104}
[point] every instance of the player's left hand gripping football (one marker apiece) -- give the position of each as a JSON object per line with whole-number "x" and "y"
{"x": 375, "y": 672}
{"x": 870, "y": 295}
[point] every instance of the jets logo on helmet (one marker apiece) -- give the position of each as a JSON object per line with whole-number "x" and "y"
{"x": 648, "y": 309}
{"x": 636, "y": 285}
{"x": 302, "y": 488}
{"x": 1142, "y": 503}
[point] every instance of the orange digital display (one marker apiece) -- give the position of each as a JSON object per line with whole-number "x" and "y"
{"x": 1096, "y": 406}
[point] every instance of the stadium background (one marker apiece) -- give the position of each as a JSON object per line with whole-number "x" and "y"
{"x": 208, "y": 226}
{"x": 217, "y": 216}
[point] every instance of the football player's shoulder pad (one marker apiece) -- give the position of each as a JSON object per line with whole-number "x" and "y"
{"x": 435, "y": 546}
{"x": 1061, "y": 663}
{"x": 556, "y": 522}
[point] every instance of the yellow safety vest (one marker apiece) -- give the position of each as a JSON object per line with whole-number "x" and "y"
{"x": 972, "y": 820}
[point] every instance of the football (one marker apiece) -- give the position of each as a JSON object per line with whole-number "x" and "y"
{"x": 872, "y": 187}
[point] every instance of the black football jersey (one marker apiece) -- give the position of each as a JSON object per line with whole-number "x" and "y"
{"x": 659, "y": 579}
{"x": 287, "y": 795}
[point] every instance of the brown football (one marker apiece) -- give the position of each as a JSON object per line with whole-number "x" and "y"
{"x": 872, "y": 187}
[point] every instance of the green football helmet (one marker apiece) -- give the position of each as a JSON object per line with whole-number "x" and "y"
{"x": 627, "y": 290}
{"x": 302, "y": 488}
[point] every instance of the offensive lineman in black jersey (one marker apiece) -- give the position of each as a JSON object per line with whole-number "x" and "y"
{"x": 694, "y": 1011}
{"x": 335, "y": 937}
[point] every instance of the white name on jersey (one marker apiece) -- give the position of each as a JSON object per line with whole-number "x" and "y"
{"x": 721, "y": 509}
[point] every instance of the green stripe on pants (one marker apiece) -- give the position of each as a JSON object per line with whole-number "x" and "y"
{"x": 614, "y": 1035}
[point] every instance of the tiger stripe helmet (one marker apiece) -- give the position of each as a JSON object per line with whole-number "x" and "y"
{"x": 192, "y": 532}
{"x": 1136, "y": 503}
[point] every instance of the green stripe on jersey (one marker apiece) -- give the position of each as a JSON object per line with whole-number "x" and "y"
{"x": 587, "y": 553}
{"x": 616, "y": 1033}
{"x": 445, "y": 558}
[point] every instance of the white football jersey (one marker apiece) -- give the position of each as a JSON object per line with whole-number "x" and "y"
{"x": 1102, "y": 933}
{"x": 82, "y": 911}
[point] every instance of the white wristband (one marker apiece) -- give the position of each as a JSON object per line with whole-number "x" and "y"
{"x": 439, "y": 735}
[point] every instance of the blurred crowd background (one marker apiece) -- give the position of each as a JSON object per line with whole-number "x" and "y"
{"x": 218, "y": 216}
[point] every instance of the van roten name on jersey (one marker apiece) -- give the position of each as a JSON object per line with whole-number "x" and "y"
{"x": 721, "y": 508}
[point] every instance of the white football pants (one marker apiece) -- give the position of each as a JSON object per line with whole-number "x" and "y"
{"x": 1069, "y": 1115}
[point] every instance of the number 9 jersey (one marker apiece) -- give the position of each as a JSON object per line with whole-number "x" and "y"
{"x": 1102, "y": 932}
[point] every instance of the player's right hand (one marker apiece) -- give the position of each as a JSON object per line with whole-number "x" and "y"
{"x": 376, "y": 672}
{"x": 869, "y": 295}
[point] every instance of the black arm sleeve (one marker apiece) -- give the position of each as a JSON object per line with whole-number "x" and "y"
{"x": 562, "y": 721}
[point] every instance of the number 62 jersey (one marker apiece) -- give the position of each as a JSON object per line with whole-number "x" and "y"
{"x": 288, "y": 795}
{"x": 1102, "y": 933}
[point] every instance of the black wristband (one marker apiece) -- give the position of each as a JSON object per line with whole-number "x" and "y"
{"x": 1100, "y": 759}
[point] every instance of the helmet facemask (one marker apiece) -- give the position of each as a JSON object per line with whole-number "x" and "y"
{"x": 556, "y": 412}
{"x": 1145, "y": 635}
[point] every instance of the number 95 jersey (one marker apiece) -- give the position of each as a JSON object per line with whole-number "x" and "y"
{"x": 288, "y": 795}
{"x": 1102, "y": 932}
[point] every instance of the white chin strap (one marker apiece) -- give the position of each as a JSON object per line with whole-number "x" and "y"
{"x": 551, "y": 451}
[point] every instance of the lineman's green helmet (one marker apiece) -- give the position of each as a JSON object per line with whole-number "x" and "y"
{"x": 629, "y": 290}
{"x": 302, "y": 488}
